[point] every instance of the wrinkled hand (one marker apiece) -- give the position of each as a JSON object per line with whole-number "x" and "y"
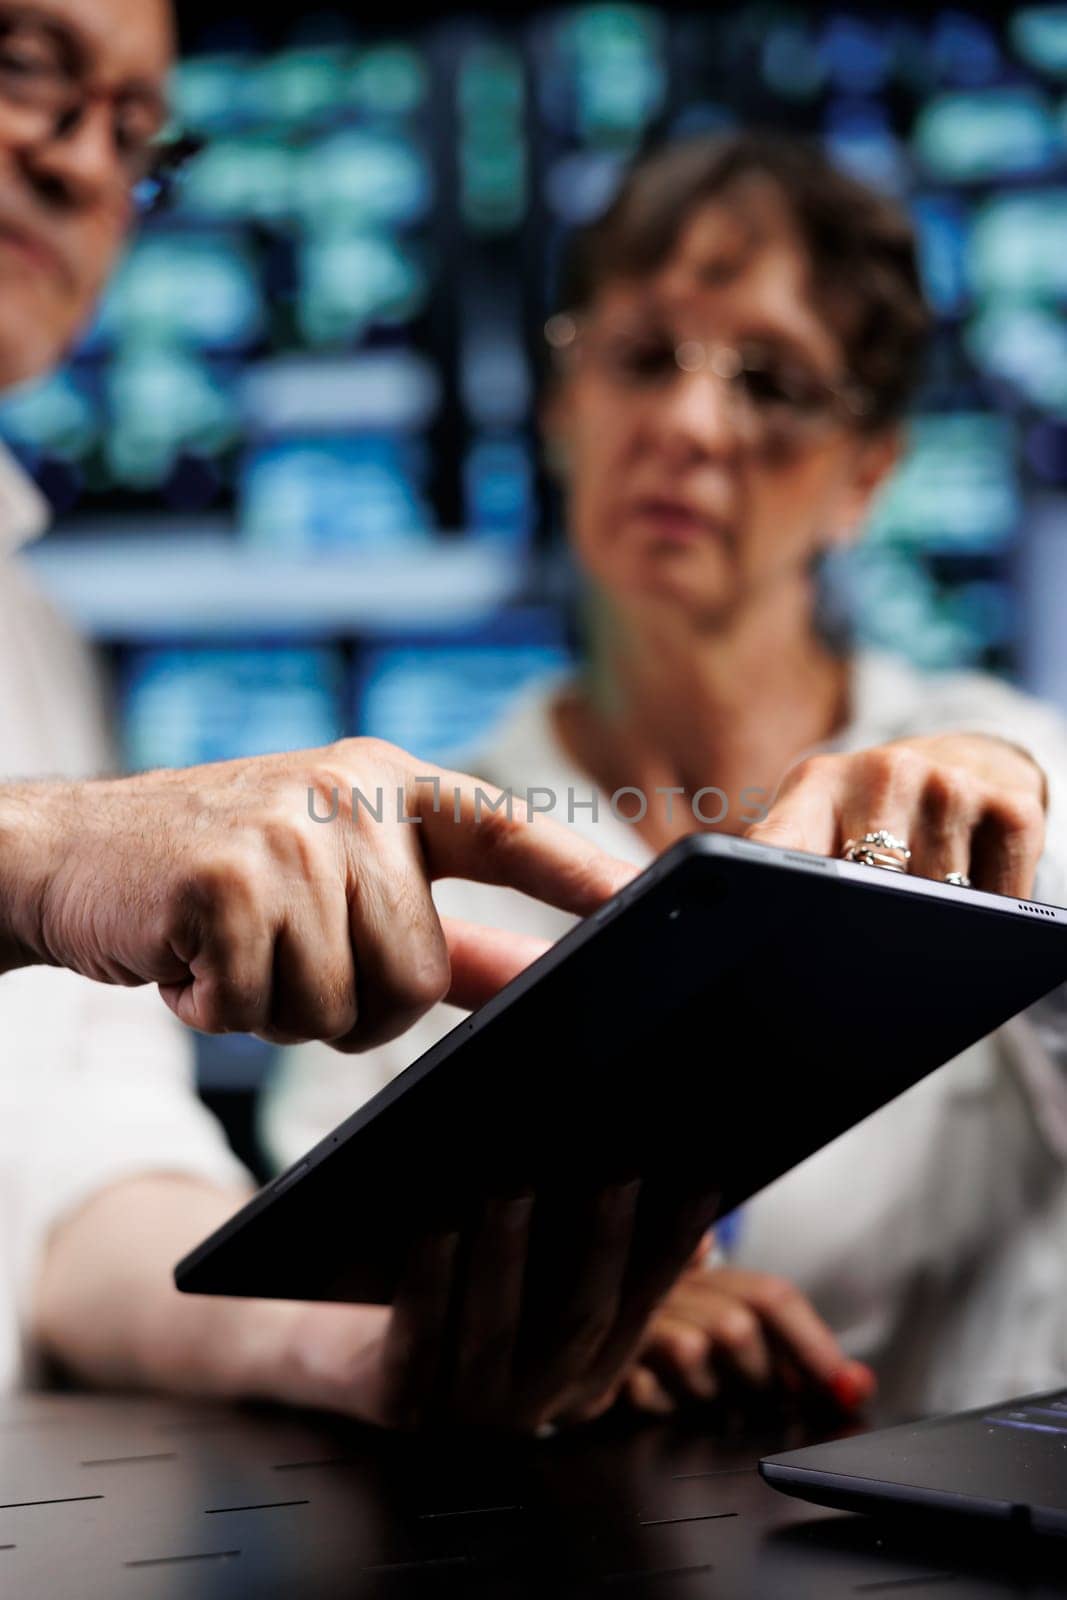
{"x": 470, "y": 1341}
{"x": 968, "y": 803}
{"x": 740, "y": 1336}
{"x": 217, "y": 884}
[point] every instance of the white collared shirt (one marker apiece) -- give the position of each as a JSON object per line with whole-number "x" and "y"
{"x": 934, "y": 1235}
{"x": 96, "y": 1083}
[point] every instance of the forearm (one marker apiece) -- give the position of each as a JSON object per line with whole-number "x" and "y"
{"x": 105, "y": 1306}
{"x": 25, "y": 830}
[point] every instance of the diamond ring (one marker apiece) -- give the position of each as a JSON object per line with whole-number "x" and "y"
{"x": 879, "y": 848}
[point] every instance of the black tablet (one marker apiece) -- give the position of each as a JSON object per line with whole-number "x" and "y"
{"x": 1001, "y": 1464}
{"x": 733, "y": 1009}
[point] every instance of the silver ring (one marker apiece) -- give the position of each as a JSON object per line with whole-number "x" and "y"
{"x": 878, "y": 858}
{"x": 879, "y": 848}
{"x": 960, "y": 879}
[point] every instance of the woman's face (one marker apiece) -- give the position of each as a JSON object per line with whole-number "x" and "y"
{"x": 683, "y": 486}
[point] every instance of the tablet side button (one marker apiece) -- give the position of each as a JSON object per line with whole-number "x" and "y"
{"x": 809, "y": 863}
{"x": 288, "y": 1178}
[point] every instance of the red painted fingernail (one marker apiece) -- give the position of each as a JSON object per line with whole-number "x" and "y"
{"x": 847, "y": 1389}
{"x": 865, "y": 1378}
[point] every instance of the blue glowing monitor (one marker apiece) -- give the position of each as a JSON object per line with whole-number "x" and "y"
{"x": 336, "y": 494}
{"x": 198, "y": 287}
{"x": 967, "y": 136}
{"x": 185, "y": 705}
{"x": 443, "y": 699}
{"x": 1017, "y": 245}
{"x": 957, "y": 489}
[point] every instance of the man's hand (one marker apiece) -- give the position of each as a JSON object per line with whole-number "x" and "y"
{"x": 964, "y": 802}
{"x": 725, "y": 1333}
{"x": 218, "y": 884}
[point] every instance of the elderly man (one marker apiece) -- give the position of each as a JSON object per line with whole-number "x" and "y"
{"x": 211, "y": 884}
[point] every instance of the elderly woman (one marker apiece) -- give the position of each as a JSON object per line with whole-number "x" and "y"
{"x": 738, "y": 341}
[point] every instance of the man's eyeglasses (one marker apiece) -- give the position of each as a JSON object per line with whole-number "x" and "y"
{"x": 170, "y": 157}
{"x": 774, "y": 394}
{"x": 46, "y": 89}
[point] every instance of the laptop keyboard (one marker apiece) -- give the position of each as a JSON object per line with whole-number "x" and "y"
{"x": 1045, "y": 1415}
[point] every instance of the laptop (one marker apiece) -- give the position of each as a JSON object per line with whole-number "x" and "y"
{"x": 1001, "y": 1465}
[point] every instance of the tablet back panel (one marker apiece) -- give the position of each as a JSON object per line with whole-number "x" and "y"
{"x": 736, "y": 1009}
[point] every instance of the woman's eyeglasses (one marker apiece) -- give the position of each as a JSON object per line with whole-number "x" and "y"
{"x": 46, "y": 90}
{"x": 774, "y": 392}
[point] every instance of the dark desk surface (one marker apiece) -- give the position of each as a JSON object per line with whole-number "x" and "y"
{"x": 105, "y": 1498}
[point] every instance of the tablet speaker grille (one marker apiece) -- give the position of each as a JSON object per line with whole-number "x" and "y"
{"x": 1035, "y": 911}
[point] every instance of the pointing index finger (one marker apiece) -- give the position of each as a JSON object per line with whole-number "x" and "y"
{"x": 472, "y": 829}
{"x": 804, "y": 816}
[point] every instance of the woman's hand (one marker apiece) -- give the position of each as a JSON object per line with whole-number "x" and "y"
{"x": 725, "y": 1333}
{"x": 964, "y": 802}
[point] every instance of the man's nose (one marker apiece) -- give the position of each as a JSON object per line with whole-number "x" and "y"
{"x": 80, "y": 165}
